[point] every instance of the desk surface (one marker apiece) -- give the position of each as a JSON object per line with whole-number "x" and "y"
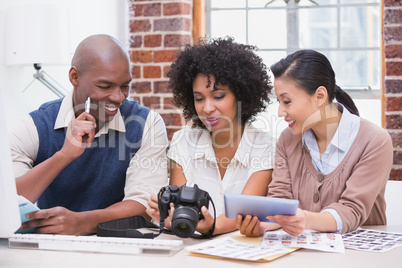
{"x": 301, "y": 258}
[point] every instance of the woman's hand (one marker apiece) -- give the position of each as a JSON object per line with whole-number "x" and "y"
{"x": 250, "y": 226}
{"x": 153, "y": 211}
{"x": 205, "y": 225}
{"x": 293, "y": 225}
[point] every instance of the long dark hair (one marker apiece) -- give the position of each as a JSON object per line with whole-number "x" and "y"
{"x": 310, "y": 69}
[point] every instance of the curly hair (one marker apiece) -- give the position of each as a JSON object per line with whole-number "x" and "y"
{"x": 232, "y": 64}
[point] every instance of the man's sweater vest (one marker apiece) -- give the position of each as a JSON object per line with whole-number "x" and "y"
{"x": 96, "y": 179}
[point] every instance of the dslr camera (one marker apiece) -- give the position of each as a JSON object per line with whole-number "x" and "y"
{"x": 188, "y": 200}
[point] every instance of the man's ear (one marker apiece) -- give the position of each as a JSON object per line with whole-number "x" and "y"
{"x": 321, "y": 96}
{"x": 73, "y": 75}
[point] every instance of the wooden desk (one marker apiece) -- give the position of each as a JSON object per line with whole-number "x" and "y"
{"x": 299, "y": 259}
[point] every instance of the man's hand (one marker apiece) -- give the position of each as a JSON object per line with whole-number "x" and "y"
{"x": 80, "y": 134}
{"x": 57, "y": 220}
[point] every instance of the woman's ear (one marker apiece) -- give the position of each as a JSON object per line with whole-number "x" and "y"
{"x": 73, "y": 75}
{"x": 321, "y": 96}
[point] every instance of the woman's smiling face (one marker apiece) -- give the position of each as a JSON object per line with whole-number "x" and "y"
{"x": 215, "y": 104}
{"x": 298, "y": 108}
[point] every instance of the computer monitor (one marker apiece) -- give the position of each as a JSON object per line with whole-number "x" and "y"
{"x": 10, "y": 219}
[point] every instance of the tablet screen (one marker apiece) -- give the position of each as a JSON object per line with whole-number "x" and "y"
{"x": 260, "y": 206}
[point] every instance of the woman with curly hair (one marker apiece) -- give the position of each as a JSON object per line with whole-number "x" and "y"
{"x": 221, "y": 86}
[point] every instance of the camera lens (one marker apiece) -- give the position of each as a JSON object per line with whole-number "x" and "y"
{"x": 184, "y": 221}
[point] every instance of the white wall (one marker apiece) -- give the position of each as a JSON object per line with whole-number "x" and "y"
{"x": 87, "y": 17}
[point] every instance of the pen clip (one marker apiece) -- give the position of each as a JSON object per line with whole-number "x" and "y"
{"x": 88, "y": 105}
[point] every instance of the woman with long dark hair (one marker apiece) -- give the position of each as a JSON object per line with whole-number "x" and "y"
{"x": 331, "y": 160}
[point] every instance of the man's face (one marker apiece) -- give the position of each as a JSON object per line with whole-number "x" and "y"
{"x": 107, "y": 84}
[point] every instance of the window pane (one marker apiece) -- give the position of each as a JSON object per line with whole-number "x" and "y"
{"x": 319, "y": 2}
{"x": 370, "y": 110}
{"x": 318, "y": 28}
{"x": 360, "y": 27}
{"x": 262, "y": 3}
{"x": 359, "y": 1}
{"x": 270, "y": 57}
{"x": 356, "y": 69}
{"x": 229, "y": 22}
{"x": 228, "y": 4}
{"x": 267, "y": 28}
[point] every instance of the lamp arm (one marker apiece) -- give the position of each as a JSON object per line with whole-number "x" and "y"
{"x": 40, "y": 75}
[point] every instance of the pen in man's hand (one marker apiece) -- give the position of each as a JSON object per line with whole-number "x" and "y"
{"x": 88, "y": 105}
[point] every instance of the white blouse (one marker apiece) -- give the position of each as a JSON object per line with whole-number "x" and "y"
{"x": 192, "y": 149}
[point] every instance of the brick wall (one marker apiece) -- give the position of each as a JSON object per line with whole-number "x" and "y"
{"x": 393, "y": 80}
{"x": 158, "y": 30}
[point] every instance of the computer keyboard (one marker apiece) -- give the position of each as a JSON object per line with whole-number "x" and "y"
{"x": 95, "y": 244}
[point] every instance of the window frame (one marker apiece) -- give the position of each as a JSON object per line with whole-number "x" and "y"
{"x": 355, "y": 93}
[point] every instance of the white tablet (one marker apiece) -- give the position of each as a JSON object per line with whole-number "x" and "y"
{"x": 260, "y": 206}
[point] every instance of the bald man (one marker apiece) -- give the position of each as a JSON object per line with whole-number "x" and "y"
{"x": 83, "y": 167}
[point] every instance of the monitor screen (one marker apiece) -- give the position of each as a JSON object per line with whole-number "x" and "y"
{"x": 10, "y": 216}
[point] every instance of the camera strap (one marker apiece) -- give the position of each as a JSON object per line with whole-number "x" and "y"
{"x": 126, "y": 227}
{"x": 211, "y": 232}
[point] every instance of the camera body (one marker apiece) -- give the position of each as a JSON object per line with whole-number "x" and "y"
{"x": 188, "y": 201}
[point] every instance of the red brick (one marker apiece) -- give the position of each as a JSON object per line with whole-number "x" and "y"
{"x": 161, "y": 87}
{"x": 393, "y": 121}
{"x": 393, "y": 68}
{"x": 396, "y": 139}
{"x": 140, "y": 26}
{"x": 393, "y": 104}
{"x": 166, "y": 70}
{"x": 391, "y": 86}
{"x": 152, "y": 10}
{"x": 136, "y": 71}
{"x": 154, "y": 40}
{"x": 171, "y": 131}
{"x": 135, "y": 10}
{"x": 135, "y": 98}
{"x": 390, "y": 3}
{"x": 141, "y": 56}
{"x": 176, "y": 24}
{"x": 151, "y": 102}
{"x": 141, "y": 87}
{"x": 152, "y": 72}
{"x": 176, "y": 9}
{"x": 392, "y": 33}
{"x": 393, "y": 51}
{"x": 177, "y": 40}
{"x": 392, "y": 16}
{"x": 165, "y": 55}
{"x": 173, "y": 119}
{"x": 397, "y": 157}
{"x": 396, "y": 174}
{"x": 168, "y": 104}
{"x": 135, "y": 41}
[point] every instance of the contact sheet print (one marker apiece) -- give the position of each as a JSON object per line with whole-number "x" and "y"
{"x": 329, "y": 242}
{"x": 230, "y": 248}
{"x": 372, "y": 240}
{"x": 275, "y": 244}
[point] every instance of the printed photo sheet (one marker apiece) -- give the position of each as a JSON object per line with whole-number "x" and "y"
{"x": 372, "y": 240}
{"x": 329, "y": 242}
{"x": 230, "y": 248}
